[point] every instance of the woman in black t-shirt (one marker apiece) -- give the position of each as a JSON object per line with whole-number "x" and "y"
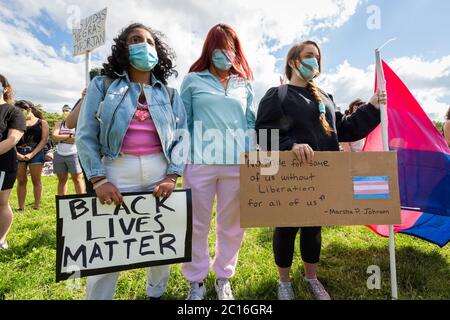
{"x": 12, "y": 127}
{"x": 30, "y": 153}
{"x": 307, "y": 121}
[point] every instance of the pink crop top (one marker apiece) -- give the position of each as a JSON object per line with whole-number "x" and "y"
{"x": 142, "y": 137}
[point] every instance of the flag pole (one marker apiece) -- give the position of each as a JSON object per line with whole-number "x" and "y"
{"x": 384, "y": 128}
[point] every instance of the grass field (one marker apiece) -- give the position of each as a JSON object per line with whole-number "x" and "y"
{"x": 27, "y": 270}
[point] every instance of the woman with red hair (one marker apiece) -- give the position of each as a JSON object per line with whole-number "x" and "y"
{"x": 218, "y": 97}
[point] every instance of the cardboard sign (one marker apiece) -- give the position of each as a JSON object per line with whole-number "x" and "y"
{"x": 337, "y": 188}
{"x": 90, "y": 34}
{"x": 144, "y": 231}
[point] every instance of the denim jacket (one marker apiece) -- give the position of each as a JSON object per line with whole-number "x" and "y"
{"x": 105, "y": 117}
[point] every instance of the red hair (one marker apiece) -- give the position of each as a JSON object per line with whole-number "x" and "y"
{"x": 223, "y": 37}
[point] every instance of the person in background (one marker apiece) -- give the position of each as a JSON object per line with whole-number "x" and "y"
{"x": 12, "y": 128}
{"x": 47, "y": 170}
{"x": 72, "y": 119}
{"x": 307, "y": 122}
{"x": 355, "y": 146}
{"x": 48, "y": 151}
{"x": 137, "y": 148}
{"x": 30, "y": 153}
{"x": 218, "y": 97}
{"x": 66, "y": 157}
{"x": 447, "y": 127}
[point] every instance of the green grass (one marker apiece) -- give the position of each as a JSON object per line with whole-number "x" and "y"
{"x": 27, "y": 270}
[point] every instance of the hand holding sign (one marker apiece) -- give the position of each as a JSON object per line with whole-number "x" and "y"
{"x": 165, "y": 187}
{"x": 108, "y": 193}
{"x": 303, "y": 152}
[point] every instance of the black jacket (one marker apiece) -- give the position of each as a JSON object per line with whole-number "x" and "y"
{"x": 298, "y": 121}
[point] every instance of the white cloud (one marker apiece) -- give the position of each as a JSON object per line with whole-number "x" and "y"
{"x": 40, "y": 74}
{"x": 347, "y": 83}
{"x": 429, "y": 82}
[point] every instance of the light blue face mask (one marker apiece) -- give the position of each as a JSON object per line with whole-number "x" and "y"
{"x": 143, "y": 56}
{"x": 306, "y": 73}
{"x": 2, "y": 90}
{"x": 221, "y": 60}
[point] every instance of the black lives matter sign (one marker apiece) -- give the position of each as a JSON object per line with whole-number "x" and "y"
{"x": 144, "y": 231}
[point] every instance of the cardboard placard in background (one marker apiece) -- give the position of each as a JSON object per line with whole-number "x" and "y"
{"x": 144, "y": 231}
{"x": 336, "y": 189}
{"x": 90, "y": 34}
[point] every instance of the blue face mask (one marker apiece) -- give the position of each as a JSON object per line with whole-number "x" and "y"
{"x": 221, "y": 60}
{"x": 306, "y": 73}
{"x": 143, "y": 56}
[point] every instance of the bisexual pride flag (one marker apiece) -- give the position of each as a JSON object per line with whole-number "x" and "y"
{"x": 423, "y": 165}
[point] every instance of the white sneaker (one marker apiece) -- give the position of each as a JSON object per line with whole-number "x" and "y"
{"x": 317, "y": 289}
{"x": 285, "y": 291}
{"x": 4, "y": 245}
{"x": 223, "y": 289}
{"x": 197, "y": 291}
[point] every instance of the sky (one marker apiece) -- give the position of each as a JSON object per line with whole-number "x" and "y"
{"x": 36, "y": 49}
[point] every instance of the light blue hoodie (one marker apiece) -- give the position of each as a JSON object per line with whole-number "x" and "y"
{"x": 225, "y": 111}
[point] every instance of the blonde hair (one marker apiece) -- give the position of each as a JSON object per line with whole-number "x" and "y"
{"x": 314, "y": 90}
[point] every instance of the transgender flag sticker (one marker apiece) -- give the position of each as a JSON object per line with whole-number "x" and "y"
{"x": 376, "y": 187}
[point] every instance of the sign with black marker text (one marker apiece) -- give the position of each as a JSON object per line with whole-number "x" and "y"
{"x": 90, "y": 34}
{"x": 335, "y": 189}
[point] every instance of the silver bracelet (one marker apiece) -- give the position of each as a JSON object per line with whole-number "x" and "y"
{"x": 100, "y": 183}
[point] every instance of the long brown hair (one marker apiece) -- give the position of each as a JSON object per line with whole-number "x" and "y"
{"x": 223, "y": 36}
{"x": 28, "y": 105}
{"x": 293, "y": 55}
{"x": 9, "y": 95}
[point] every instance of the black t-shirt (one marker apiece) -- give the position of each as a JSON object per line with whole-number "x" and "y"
{"x": 298, "y": 120}
{"x": 10, "y": 118}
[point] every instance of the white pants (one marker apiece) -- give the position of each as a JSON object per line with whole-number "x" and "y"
{"x": 132, "y": 174}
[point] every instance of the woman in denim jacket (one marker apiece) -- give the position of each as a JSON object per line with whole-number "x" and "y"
{"x": 130, "y": 134}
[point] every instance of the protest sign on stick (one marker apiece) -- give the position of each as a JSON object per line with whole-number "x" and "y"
{"x": 88, "y": 35}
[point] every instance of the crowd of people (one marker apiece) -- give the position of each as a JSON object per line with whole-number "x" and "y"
{"x": 126, "y": 132}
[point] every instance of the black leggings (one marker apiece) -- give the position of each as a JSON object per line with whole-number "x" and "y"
{"x": 284, "y": 241}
